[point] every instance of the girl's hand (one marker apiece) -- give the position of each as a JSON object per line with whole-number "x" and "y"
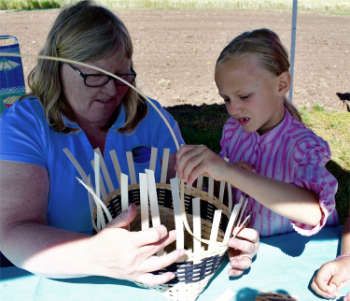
{"x": 195, "y": 160}
{"x": 331, "y": 277}
{"x": 118, "y": 253}
{"x": 243, "y": 249}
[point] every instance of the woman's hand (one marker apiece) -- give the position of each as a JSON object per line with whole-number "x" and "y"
{"x": 242, "y": 250}
{"x": 195, "y": 160}
{"x": 121, "y": 254}
{"x": 331, "y": 277}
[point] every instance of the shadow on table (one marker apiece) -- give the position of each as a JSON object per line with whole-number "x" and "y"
{"x": 294, "y": 244}
{"x": 248, "y": 294}
{"x": 12, "y": 272}
{"x": 99, "y": 280}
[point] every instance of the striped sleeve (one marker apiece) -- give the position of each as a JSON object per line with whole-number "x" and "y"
{"x": 310, "y": 157}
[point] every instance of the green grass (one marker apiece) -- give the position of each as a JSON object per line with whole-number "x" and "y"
{"x": 334, "y": 127}
{"x": 30, "y": 4}
{"x": 338, "y": 7}
{"x": 203, "y": 125}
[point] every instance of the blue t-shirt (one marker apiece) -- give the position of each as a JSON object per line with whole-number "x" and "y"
{"x": 25, "y": 136}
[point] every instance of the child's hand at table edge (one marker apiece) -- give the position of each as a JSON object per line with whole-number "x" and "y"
{"x": 242, "y": 250}
{"x": 331, "y": 277}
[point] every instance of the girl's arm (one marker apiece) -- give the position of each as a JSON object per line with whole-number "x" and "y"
{"x": 27, "y": 240}
{"x": 285, "y": 199}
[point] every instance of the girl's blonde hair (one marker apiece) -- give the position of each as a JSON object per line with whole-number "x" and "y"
{"x": 81, "y": 32}
{"x": 267, "y": 46}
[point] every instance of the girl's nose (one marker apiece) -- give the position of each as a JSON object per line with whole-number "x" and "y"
{"x": 233, "y": 107}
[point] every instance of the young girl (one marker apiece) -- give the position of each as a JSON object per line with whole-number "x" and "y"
{"x": 274, "y": 159}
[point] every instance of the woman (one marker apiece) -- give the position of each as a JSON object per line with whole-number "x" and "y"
{"x": 45, "y": 219}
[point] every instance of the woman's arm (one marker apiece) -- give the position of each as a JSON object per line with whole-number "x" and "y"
{"x": 285, "y": 199}
{"x": 27, "y": 240}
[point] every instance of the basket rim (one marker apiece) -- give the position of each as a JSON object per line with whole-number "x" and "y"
{"x": 189, "y": 190}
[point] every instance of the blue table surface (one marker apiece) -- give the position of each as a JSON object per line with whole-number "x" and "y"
{"x": 285, "y": 263}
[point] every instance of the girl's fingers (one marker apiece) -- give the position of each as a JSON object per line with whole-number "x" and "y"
{"x": 189, "y": 170}
{"x": 249, "y": 234}
{"x": 320, "y": 283}
{"x": 198, "y": 170}
{"x": 241, "y": 262}
{"x": 321, "y": 292}
{"x": 243, "y": 246}
{"x": 325, "y": 275}
{"x": 347, "y": 297}
{"x": 235, "y": 272}
{"x": 185, "y": 156}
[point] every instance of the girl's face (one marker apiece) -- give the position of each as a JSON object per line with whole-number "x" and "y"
{"x": 253, "y": 96}
{"x": 94, "y": 106}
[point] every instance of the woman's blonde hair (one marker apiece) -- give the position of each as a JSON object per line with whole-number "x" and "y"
{"x": 267, "y": 46}
{"x": 81, "y": 32}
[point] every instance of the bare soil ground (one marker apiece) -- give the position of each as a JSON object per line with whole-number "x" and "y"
{"x": 175, "y": 51}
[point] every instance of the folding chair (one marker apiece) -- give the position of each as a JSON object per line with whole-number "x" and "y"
{"x": 12, "y": 84}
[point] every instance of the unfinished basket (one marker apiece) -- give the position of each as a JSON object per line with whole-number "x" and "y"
{"x": 203, "y": 223}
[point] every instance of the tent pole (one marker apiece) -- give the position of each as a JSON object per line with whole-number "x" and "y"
{"x": 292, "y": 52}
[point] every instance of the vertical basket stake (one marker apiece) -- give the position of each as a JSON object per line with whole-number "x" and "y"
{"x": 153, "y": 199}
{"x": 105, "y": 171}
{"x": 124, "y": 191}
{"x": 222, "y": 191}
{"x": 165, "y": 163}
{"x": 214, "y": 229}
{"x": 196, "y": 213}
{"x": 144, "y": 201}
{"x": 231, "y": 222}
{"x": 210, "y": 187}
{"x": 96, "y": 166}
{"x": 115, "y": 164}
{"x": 102, "y": 186}
{"x": 131, "y": 167}
{"x": 153, "y": 160}
{"x": 180, "y": 241}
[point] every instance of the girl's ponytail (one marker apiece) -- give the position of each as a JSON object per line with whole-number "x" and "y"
{"x": 292, "y": 110}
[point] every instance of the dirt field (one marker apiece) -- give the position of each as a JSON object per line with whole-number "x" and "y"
{"x": 175, "y": 51}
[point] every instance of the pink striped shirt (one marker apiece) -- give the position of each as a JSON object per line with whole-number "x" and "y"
{"x": 291, "y": 153}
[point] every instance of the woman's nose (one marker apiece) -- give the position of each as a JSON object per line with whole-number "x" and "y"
{"x": 110, "y": 88}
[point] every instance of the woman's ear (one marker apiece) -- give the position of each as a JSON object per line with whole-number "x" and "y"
{"x": 284, "y": 81}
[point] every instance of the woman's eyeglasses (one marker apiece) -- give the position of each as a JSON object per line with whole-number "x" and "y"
{"x": 99, "y": 80}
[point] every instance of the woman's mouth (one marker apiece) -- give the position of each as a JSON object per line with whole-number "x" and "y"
{"x": 105, "y": 101}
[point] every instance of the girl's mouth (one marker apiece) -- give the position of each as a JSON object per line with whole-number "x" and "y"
{"x": 243, "y": 120}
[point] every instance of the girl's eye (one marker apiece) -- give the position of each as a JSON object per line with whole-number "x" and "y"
{"x": 244, "y": 97}
{"x": 226, "y": 99}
